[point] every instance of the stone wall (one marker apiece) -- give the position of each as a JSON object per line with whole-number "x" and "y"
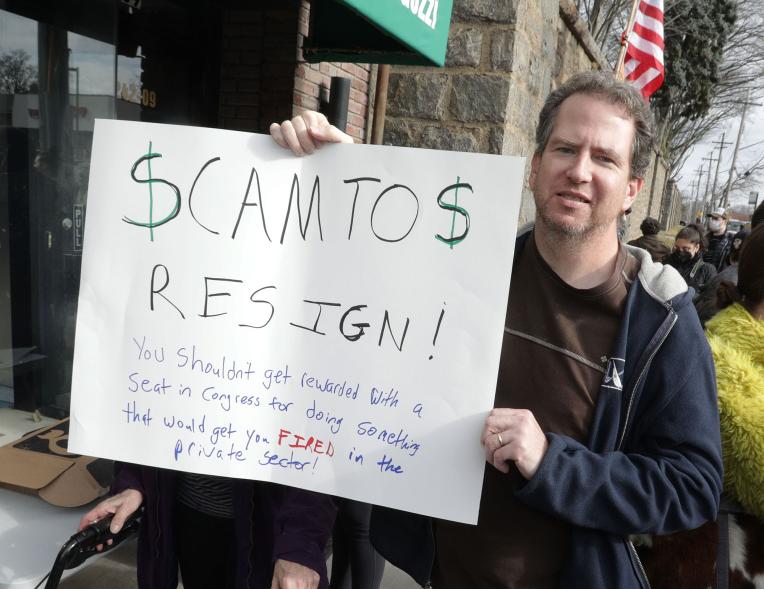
{"x": 503, "y": 59}
{"x": 650, "y": 202}
{"x": 672, "y": 208}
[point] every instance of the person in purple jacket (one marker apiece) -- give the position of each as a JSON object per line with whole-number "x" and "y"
{"x": 222, "y": 533}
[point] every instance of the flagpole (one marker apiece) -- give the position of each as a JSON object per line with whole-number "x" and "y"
{"x": 619, "y": 73}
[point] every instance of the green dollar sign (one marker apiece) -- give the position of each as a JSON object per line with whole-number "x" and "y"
{"x": 150, "y": 181}
{"x": 455, "y": 209}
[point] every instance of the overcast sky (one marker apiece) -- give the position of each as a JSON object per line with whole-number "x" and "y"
{"x": 753, "y": 136}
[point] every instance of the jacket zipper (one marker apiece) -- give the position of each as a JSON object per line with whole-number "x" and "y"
{"x": 641, "y": 375}
{"x": 630, "y": 545}
{"x": 633, "y": 551}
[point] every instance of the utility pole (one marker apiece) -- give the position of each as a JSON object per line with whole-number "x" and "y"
{"x": 698, "y": 180}
{"x": 746, "y": 104}
{"x": 711, "y": 160}
{"x": 722, "y": 144}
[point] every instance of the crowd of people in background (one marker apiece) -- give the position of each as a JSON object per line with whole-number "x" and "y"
{"x": 704, "y": 257}
{"x": 727, "y": 272}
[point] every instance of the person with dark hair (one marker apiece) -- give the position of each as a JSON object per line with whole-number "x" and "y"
{"x": 605, "y": 421}
{"x": 718, "y": 240}
{"x": 649, "y": 240}
{"x": 707, "y": 304}
{"x": 687, "y": 258}
{"x": 758, "y": 216}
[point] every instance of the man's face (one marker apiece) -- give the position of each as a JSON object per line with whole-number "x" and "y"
{"x": 717, "y": 225}
{"x": 582, "y": 181}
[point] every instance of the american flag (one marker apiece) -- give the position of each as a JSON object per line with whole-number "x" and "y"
{"x": 643, "y": 65}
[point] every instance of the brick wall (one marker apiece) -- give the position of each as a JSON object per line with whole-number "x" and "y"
{"x": 259, "y": 60}
{"x": 313, "y": 80}
{"x": 654, "y": 198}
{"x": 264, "y": 78}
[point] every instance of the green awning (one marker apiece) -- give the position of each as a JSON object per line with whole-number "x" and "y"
{"x": 412, "y": 32}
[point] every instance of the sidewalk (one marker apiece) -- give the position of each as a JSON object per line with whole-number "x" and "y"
{"x": 116, "y": 570}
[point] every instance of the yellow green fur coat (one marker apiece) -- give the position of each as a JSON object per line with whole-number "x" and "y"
{"x": 737, "y": 342}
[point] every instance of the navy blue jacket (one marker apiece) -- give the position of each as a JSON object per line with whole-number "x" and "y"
{"x": 652, "y": 463}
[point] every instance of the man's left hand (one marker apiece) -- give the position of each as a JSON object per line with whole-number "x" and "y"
{"x": 290, "y": 575}
{"x": 514, "y": 435}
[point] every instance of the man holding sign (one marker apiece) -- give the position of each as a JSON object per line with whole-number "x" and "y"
{"x": 606, "y": 422}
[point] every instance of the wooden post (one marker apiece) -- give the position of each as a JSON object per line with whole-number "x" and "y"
{"x": 619, "y": 73}
{"x": 380, "y": 105}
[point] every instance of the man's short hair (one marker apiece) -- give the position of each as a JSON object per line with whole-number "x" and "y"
{"x": 650, "y": 226}
{"x": 617, "y": 92}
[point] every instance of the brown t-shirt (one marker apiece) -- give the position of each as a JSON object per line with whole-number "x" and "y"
{"x": 553, "y": 359}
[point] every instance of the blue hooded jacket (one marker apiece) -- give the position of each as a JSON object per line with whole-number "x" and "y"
{"x": 652, "y": 463}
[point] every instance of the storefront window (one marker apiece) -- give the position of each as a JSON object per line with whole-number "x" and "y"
{"x": 62, "y": 65}
{"x": 57, "y": 75}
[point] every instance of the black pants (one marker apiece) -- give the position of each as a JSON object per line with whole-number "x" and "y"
{"x": 206, "y": 549}
{"x": 354, "y": 558}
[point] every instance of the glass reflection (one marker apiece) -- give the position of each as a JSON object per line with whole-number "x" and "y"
{"x": 57, "y": 75}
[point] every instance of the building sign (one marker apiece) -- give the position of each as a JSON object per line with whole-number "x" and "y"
{"x": 78, "y": 224}
{"x": 394, "y": 31}
{"x": 132, "y": 92}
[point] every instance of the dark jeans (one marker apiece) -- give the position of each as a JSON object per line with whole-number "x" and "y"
{"x": 206, "y": 551}
{"x": 355, "y": 563}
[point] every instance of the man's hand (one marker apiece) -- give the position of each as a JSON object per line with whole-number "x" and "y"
{"x": 306, "y": 132}
{"x": 290, "y": 575}
{"x": 121, "y": 505}
{"x": 514, "y": 435}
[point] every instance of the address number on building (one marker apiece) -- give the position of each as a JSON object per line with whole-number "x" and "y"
{"x": 425, "y": 10}
{"x": 132, "y": 93}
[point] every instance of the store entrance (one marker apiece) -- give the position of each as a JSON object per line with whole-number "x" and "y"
{"x": 147, "y": 60}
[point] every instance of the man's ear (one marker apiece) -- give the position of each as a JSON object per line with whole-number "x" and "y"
{"x": 535, "y": 162}
{"x": 632, "y": 190}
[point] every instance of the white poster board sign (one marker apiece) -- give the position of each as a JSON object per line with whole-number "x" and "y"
{"x": 331, "y": 322}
